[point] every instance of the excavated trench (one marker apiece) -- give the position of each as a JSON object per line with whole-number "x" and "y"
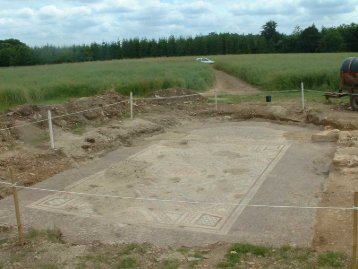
{"x": 190, "y": 185}
{"x": 189, "y": 176}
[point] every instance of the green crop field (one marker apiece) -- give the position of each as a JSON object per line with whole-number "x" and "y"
{"x": 54, "y": 83}
{"x": 318, "y": 71}
{"x": 270, "y": 72}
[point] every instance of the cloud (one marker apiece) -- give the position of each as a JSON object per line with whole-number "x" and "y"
{"x": 25, "y": 13}
{"x": 260, "y": 8}
{"x": 328, "y": 7}
{"x": 196, "y": 8}
{"x": 85, "y": 21}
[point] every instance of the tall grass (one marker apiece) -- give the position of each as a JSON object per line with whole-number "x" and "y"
{"x": 286, "y": 71}
{"x": 35, "y": 84}
{"x": 51, "y": 83}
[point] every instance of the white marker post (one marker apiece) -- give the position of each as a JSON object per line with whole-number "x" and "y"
{"x": 131, "y": 104}
{"x": 216, "y": 100}
{"x": 303, "y": 96}
{"x": 50, "y": 129}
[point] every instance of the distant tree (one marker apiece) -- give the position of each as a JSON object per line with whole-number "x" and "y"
{"x": 153, "y": 48}
{"x": 144, "y": 48}
{"x": 13, "y": 52}
{"x": 135, "y": 48}
{"x": 172, "y": 47}
{"x": 229, "y": 44}
{"x": 309, "y": 39}
{"x": 181, "y": 46}
{"x": 331, "y": 40}
{"x": 297, "y": 31}
{"x": 214, "y": 42}
{"x": 125, "y": 48}
{"x": 350, "y": 36}
{"x": 200, "y": 45}
{"x": 290, "y": 42}
{"x": 162, "y": 47}
{"x": 269, "y": 31}
{"x": 270, "y": 34}
{"x": 115, "y": 50}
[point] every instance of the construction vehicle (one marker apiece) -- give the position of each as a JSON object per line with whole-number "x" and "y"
{"x": 349, "y": 82}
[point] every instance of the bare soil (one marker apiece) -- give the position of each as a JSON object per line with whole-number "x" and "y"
{"x": 226, "y": 84}
{"x": 93, "y": 133}
{"x": 334, "y": 228}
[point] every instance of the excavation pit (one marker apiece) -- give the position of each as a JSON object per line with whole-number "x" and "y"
{"x": 212, "y": 182}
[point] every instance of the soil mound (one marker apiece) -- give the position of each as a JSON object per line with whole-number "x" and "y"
{"x": 31, "y": 168}
{"x": 7, "y": 135}
{"x": 95, "y": 108}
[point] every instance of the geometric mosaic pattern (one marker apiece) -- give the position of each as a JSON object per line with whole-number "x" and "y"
{"x": 208, "y": 220}
{"x": 218, "y": 175}
{"x": 56, "y": 202}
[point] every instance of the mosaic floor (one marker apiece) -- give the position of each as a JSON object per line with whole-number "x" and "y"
{"x": 197, "y": 183}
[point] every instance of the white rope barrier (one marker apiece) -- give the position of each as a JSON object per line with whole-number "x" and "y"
{"x": 266, "y": 92}
{"x": 176, "y": 201}
{"x": 314, "y": 91}
{"x": 284, "y": 91}
{"x": 96, "y": 108}
{"x": 134, "y": 99}
{"x": 169, "y": 97}
{"x": 90, "y": 109}
{"x": 22, "y": 125}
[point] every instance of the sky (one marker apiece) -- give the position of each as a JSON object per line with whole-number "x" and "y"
{"x": 68, "y": 22}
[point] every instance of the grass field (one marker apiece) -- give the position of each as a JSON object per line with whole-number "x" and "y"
{"x": 49, "y": 83}
{"x": 286, "y": 71}
{"x": 270, "y": 72}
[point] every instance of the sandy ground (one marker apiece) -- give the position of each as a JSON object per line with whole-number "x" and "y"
{"x": 226, "y": 84}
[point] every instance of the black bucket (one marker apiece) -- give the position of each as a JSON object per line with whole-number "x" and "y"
{"x": 268, "y": 98}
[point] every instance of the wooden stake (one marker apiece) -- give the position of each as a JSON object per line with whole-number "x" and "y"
{"x": 50, "y": 128}
{"x": 355, "y": 231}
{"x": 303, "y": 96}
{"x": 17, "y": 209}
{"x": 131, "y": 103}
{"x": 216, "y": 100}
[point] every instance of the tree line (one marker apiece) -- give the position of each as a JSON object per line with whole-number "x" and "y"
{"x": 309, "y": 40}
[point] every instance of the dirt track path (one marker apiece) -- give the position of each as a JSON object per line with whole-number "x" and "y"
{"x": 228, "y": 84}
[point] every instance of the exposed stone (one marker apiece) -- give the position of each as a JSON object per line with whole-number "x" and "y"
{"x": 328, "y": 127}
{"x": 91, "y": 115}
{"x": 85, "y": 146}
{"x": 25, "y": 110}
{"x": 348, "y": 139}
{"x": 63, "y": 123}
{"x": 90, "y": 140}
{"x": 326, "y": 136}
{"x": 322, "y": 119}
{"x": 345, "y": 160}
{"x": 346, "y": 157}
